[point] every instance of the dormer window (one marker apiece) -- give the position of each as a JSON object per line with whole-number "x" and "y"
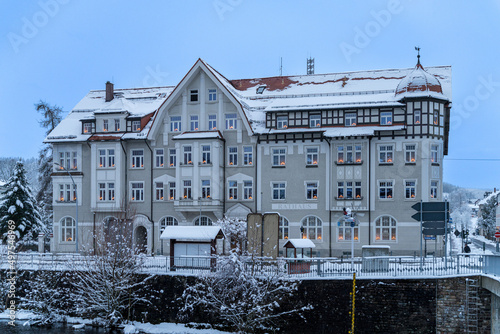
{"x": 350, "y": 119}
{"x": 193, "y": 95}
{"x": 260, "y": 89}
{"x": 282, "y": 122}
{"x": 136, "y": 126}
{"x": 105, "y": 125}
{"x": 88, "y": 127}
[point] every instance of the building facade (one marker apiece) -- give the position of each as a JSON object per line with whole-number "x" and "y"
{"x": 307, "y": 147}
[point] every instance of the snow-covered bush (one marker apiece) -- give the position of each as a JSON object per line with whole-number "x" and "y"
{"x": 239, "y": 297}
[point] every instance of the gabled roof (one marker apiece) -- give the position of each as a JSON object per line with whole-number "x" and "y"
{"x": 196, "y": 233}
{"x": 299, "y": 243}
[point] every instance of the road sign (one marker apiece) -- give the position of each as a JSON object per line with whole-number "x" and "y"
{"x": 433, "y": 224}
{"x": 431, "y": 206}
{"x": 429, "y": 237}
{"x": 430, "y": 216}
{"x": 433, "y": 231}
{"x": 497, "y": 234}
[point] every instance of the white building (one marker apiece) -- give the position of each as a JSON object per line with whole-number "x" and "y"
{"x": 305, "y": 146}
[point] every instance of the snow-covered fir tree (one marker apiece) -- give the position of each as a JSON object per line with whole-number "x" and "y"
{"x": 487, "y": 221}
{"x": 51, "y": 118}
{"x": 19, "y": 205}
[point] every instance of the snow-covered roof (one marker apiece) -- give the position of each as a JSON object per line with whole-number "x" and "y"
{"x": 361, "y": 89}
{"x": 487, "y": 198}
{"x": 195, "y": 233}
{"x": 136, "y": 102}
{"x": 199, "y": 135}
{"x": 300, "y": 243}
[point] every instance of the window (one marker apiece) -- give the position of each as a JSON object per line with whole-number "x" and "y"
{"x": 167, "y": 221}
{"x": 74, "y": 161}
{"x": 111, "y": 157}
{"x": 340, "y": 154}
{"x": 233, "y": 156}
{"x": 212, "y": 122}
{"x": 175, "y": 124}
{"x": 260, "y": 89}
{"x": 279, "y": 155}
{"x": 188, "y": 155}
{"x": 205, "y": 154}
{"x": 312, "y": 228}
{"x": 410, "y": 189}
{"x": 205, "y": 189}
{"x": 357, "y": 190}
{"x": 346, "y": 232}
{"x": 283, "y": 228}
{"x": 350, "y": 119}
{"x": 88, "y": 127}
{"x": 386, "y": 189}
{"x": 357, "y": 152}
{"x": 231, "y": 122}
{"x": 67, "y": 193}
{"x": 117, "y": 124}
{"x": 385, "y": 229}
{"x": 68, "y": 229}
{"x": 312, "y": 156}
{"x": 348, "y": 154}
{"x": 247, "y": 190}
{"x": 194, "y": 123}
{"x": 434, "y": 154}
{"x": 436, "y": 117}
{"x": 212, "y": 94}
{"x": 193, "y": 95}
{"x": 137, "y": 192}
{"x": 340, "y": 189}
{"x": 105, "y": 125}
{"x": 233, "y": 190}
{"x": 311, "y": 190}
{"x": 434, "y": 189}
{"x": 247, "y": 155}
{"x": 282, "y": 122}
{"x": 410, "y": 153}
{"x": 386, "y": 153}
{"x": 315, "y": 121}
{"x": 159, "y": 191}
{"x": 203, "y": 221}
{"x": 136, "y": 126}
{"x": 172, "y": 157}
{"x": 416, "y": 116}
{"x": 386, "y": 118}
{"x": 159, "y": 157}
{"x": 106, "y": 191}
{"x": 171, "y": 191}
{"x": 137, "y": 158}
{"x": 186, "y": 191}
{"x": 348, "y": 190}
{"x": 66, "y": 161}
{"x": 279, "y": 190}
{"x": 102, "y": 158}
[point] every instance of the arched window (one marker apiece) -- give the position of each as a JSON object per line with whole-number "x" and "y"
{"x": 203, "y": 221}
{"x": 283, "y": 228}
{"x": 167, "y": 221}
{"x": 68, "y": 229}
{"x": 385, "y": 229}
{"x": 312, "y": 228}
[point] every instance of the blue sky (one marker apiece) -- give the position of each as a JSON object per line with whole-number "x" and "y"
{"x": 58, "y": 50}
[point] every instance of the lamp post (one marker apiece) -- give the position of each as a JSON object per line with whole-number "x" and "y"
{"x": 76, "y": 203}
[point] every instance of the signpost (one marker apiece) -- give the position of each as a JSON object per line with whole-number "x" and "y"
{"x": 497, "y": 235}
{"x": 433, "y": 217}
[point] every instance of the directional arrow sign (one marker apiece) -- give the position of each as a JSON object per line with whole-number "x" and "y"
{"x": 433, "y": 231}
{"x": 433, "y": 225}
{"x": 429, "y": 216}
{"x": 431, "y": 206}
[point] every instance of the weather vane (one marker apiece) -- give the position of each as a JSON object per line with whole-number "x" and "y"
{"x": 418, "y": 54}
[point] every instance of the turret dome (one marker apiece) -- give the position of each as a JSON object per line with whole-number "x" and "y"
{"x": 419, "y": 83}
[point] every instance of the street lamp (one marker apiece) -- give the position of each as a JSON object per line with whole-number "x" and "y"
{"x": 76, "y": 203}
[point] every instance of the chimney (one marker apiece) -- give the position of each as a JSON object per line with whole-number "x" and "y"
{"x": 109, "y": 91}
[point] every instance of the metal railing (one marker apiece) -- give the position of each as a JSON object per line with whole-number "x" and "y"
{"x": 379, "y": 266}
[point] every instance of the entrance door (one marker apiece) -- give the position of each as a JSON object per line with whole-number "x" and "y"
{"x": 141, "y": 239}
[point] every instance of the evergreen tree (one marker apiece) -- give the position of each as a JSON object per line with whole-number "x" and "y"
{"x": 51, "y": 118}
{"x": 487, "y": 221}
{"x": 18, "y": 204}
